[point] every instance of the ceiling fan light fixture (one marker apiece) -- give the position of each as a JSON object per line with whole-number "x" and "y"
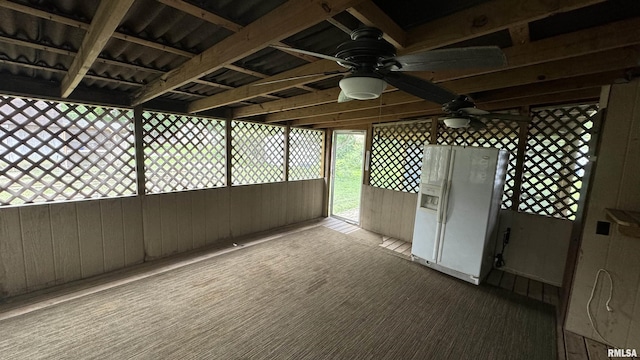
{"x": 456, "y": 123}
{"x": 362, "y": 87}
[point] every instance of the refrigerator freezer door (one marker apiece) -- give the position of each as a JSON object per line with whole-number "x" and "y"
{"x": 429, "y": 207}
{"x": 469, "y": 205}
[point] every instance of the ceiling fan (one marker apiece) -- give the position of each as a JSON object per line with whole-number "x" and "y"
{"x": 371, "y": 64}
{"x": 462, "y": 112}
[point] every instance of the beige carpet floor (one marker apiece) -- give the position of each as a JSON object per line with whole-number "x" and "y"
{"x": 316, "y": 294}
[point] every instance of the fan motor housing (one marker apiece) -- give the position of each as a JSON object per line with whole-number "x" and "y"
{"x": 365, "y": 49}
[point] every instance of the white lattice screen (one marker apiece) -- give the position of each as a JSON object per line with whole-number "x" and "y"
{"x": 183, "y": 152}
{"x": 305, "y": 153}
{"x": 498, "y": 134}
{"x": 396, "y": 155}
{"x": 257, "y": 153}
{"x": 52, "y": 151}
{"x": 556, "y": 155}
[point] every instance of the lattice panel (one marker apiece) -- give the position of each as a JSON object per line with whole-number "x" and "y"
{"x": 52, "y": 151}
{"x": 498, "y": 134}
{"x": 396, "y": 155}
{"x": 183, "y": 152}
{"x": 305, "y": 154}
{"x": 257, "y": 153}
{"x": 557, "y": 148}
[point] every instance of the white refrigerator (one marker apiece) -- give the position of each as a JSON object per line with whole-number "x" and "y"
{"x": 457, "y": 211}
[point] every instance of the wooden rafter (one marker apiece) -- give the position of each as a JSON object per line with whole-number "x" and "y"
{"x": 501, "y": 95}
{"x": 597, "y": 39}
{"x": 255, "y": 89}
{"x": 519, "y": 34}
{"x": 107, "y": 18}
{"x": 588, "y": 94}
{"x": 485, "y": 19}
{"x": 370, "y": 14}
{"x": 283, "y": 21}
{"x": 562, "y": 69}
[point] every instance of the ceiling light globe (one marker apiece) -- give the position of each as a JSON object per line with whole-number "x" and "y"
{"x": 362, "y": 88}
{"x": 456, "y": 123}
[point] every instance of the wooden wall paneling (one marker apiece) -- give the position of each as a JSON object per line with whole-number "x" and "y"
{"x": 224, "y": 201}
{"x": 631, "y": 200}
{"x": 257, "y": 217}
{"x": 132, "y": 230}
{"x": 38, "y": 246}
{"x": 408, "y": 216}
{"x": 198, "y": 217}
{"x": 307, "y": 202}
{"x": 609, "y": 170}
{"x": 112, "y": 234}
{"x": 184, "y": 221}
{"x": 624, "y": 251}
{"x": 594, "y": 250}
{"x": 366, "y": 209}
{"x": 13, "y": 279}
{"x": 152, "y": 226}
{"x": 169, "y": 223}
{"x": 377, "y": 210}
{"x": 268, "y": 217}
{"x": 279, "y": 199}
{"x": 634, "y": 327}
{"x": 622, "y": 263}
{"x": 318, "y": 192}
{"x": 395, "y": 224}
{"x": 66, "y": 246}
{"x": 294, "y": 202}
{"x": 596, "y": 350}
{"x": 212, "y": 212}
{"x": 238, "y": 199}
{"x": 90, "y": 235}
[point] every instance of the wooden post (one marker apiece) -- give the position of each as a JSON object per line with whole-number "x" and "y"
{"x": 227, "y": 128}
{"x": 287, "y": 130}
{"x": 368, "y": 144}
{"x": 433, "y": 137}
{"x": 139, "y": 149}
{"x": 522, "y": 148}
{"x": 328, "y": 145}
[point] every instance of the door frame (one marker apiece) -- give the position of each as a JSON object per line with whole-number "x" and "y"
{"x": 333, "y": 170}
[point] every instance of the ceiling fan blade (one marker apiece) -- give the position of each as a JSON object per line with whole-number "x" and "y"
{"x": 318, "y": 55}
{"x": 300, "y": 77}
{"x": 445, "y": 59}
{"x": 342, "y": 97}
{"x": 476, "y": 124}
{"x": 420, "y": 88}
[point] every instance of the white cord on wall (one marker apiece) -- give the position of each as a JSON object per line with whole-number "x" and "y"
{"x": 609, "y": 309}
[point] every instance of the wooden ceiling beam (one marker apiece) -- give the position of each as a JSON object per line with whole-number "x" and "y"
{"x": 519, "y": 34}
{"x": 371, "y": 15}
{"x": 202, "y": 14}
{"x": 484, "y": 19}
{"x": 609, "y": 60}
{"x": 588, "y": 94}
{"x": 284, "y": 21}
{"x": 255, "y": 89}
{"x": 610, "y": 36}
{"x": 318, "y": 97}
{"x": 512, "y": 93}
{"x": 554, "y": 86}
{"x": 107, "y": 18}
{"x": 85, "y": 26}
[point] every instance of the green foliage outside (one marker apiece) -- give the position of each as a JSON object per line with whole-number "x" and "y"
{"x": 348, "y": 172}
